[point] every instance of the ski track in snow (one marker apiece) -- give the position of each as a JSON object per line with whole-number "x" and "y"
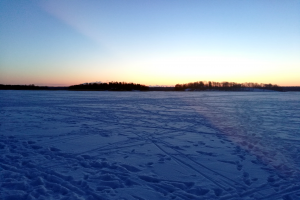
{"x": 149, "y": 145}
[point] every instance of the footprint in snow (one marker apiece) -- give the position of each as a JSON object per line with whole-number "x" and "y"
{"x": 54, "y": 149}
{"x": 36, "y": 147}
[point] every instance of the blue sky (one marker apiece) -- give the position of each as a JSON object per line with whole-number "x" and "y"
{"x": 65, "y": 42}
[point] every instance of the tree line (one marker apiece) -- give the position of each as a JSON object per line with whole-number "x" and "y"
{"x": 123, "y": 86}
{"x": 112, "y": 86}
{"x": 226, "y": 86}
{"x": 22, "y": 87}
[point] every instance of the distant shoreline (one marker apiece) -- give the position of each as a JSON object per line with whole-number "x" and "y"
{"x": 49, "y": 88}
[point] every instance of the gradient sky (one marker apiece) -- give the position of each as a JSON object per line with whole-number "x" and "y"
{"x": 163, "y": 42}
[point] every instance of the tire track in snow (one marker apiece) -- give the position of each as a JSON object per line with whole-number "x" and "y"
{"x": 209, "y": 173}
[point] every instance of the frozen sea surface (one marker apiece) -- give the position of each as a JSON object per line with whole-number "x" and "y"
{"x": 149, "y": 145}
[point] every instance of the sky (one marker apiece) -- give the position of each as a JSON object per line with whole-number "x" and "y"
{"x": 151, "y": 42}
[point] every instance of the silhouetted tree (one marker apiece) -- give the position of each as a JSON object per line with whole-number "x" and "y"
{"x": 201, "y": 85}
{"x": 22, "y": 87}
{"x": 112, "y": 86}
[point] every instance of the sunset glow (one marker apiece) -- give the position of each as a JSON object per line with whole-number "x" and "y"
{"x": 149, "y": 42}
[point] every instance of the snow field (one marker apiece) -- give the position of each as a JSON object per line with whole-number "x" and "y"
{"x": 149, "y": 145}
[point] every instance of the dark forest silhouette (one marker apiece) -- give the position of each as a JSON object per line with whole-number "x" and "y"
{"x": 22, "y": 87}
{"x": 226, "y": 86}
{"x": 122, "y": 86}
{"x": 111, "y": 86}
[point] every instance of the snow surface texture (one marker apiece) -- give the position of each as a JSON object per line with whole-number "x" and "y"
{"x": 149, "y": 145}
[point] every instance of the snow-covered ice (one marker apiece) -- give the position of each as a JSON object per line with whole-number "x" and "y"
{"x": 149, "y": 145}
